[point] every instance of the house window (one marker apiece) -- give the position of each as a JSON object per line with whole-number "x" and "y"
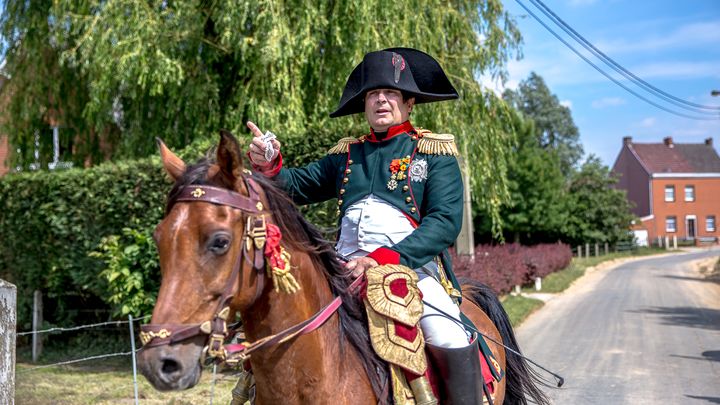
{"x": 671, "y": 224}
{"x": 669, "y": 193}
{"x": 710, "y": 223}
{"x": 689, "y": 193}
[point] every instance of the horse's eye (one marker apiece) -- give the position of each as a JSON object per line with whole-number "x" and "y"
{"x": 219, "y": 244}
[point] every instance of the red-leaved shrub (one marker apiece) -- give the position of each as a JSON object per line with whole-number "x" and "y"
{"x": 503, "y": 266}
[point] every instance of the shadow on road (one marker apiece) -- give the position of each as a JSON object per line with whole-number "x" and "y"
{"x": 713, "y": 279}
{"x": 703, "y": 318}
{"x": 712, "y": 400}
{"x": 711, "y": 355}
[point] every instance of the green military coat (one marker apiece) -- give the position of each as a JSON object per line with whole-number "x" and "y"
{"x": 415, "y": 171}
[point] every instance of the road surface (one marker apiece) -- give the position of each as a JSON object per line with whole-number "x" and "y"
{"x": 644, "y": 332}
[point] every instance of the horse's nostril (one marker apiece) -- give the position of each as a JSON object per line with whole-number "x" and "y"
{"x": 170, "y": 366}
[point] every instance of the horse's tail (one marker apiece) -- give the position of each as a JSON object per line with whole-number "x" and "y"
{"x": 522, "y": 381}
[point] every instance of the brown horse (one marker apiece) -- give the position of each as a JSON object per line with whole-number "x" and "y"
{"x": 206, "y": 251}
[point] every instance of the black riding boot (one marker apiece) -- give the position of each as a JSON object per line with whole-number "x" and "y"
{"x": 459, "y": 372}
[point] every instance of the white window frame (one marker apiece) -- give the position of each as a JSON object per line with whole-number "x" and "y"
{"x": 667, "y": 223}
{"x": 670, "y": 187}
{"x": 707, "y": 223}
{"x": 690, "y": 187}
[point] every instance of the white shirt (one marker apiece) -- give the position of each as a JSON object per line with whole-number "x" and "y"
{"x": 372, "y": 223}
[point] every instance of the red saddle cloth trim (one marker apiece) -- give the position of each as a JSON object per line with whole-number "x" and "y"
{"x": 408, "y": 333}
{"x": 399, "y": 287}
{"x": 487, "y": 375}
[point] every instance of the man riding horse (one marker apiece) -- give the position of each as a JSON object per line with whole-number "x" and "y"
{"x": 399, "y": 194}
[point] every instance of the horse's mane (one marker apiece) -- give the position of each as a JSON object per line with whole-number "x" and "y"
{"x": 300, "y": 234}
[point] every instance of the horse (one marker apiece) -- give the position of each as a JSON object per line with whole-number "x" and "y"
{"x": 209, "y": 265}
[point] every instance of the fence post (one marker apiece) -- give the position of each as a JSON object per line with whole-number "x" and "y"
{"x": 538, "y": 283}
{"x": 607, "y": 249}
{"x": 36, "y": 325}
{"x": 132, "y": 345}
{"x": 587, "y": 250}
{"x": 597, "y": 250}
{"x": 659, "y": 241}
{"x": 8, "y": 313}
{"x": 667, "y": 242}
{"x": 579, "y": 251}
{"x": 675, "y": 242}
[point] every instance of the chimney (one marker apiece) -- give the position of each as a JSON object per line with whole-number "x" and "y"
{"x": 668, "y": 141}
{"x": 627, "y": 140}
{"x": 708, "y": 141}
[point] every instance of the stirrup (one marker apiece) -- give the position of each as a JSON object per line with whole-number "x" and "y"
{"x": 461, "y": 381}
{"x": 244, "y": 389}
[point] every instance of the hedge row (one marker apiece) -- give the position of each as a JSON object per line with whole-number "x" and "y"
{"x": 504, "y": 266}
{"x": 50, "y": 222}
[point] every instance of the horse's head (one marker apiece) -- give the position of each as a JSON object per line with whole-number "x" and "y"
{"x": 205, "y": 263}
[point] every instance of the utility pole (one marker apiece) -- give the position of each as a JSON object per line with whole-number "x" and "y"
{"x": 465, "y": 243}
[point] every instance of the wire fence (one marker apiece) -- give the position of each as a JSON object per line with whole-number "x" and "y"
{"x": 74, "y": 328}
{"x": 130, "y": 322}
{"x": 67, "y": 362}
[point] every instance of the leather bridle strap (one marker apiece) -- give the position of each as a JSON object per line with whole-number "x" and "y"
{"x": 237, "y": 353}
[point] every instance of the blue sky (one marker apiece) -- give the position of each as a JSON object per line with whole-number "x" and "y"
{"x": 673, "y": 45}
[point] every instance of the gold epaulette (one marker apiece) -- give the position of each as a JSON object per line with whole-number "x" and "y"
{"x": 436, "y": 144}
{"x": 343, "y": 145}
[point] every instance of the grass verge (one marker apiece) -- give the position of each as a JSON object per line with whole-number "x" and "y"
{"x": 518, "y": 307}
{"x": 109, "y": 383}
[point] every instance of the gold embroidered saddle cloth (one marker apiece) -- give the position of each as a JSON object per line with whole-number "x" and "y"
{"x": 394, "y": 306}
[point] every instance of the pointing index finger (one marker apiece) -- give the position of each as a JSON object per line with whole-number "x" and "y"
{"x": 254, "y": 129}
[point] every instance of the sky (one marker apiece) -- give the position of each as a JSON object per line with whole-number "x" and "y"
{"x": 673, "y": 45}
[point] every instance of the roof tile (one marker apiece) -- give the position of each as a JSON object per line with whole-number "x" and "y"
{"x": 678, "y": 158}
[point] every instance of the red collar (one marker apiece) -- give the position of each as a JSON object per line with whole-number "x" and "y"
{"x": 405, "y": 127}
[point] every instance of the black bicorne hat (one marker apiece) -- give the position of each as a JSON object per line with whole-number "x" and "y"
{"x": 409, "y": 70}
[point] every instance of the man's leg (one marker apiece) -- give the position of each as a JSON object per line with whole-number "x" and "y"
{"x": 437, "y": 328}
{"x": 455, "y": 359}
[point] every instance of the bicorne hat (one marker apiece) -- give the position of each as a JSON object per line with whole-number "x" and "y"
{"x": 411, "y": 71}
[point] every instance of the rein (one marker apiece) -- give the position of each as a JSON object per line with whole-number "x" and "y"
{"x": 254, "y": 238}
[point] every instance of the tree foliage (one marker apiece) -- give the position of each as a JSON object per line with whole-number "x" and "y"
{"x": 135, "y": 70}
{"x": 596, "y": 210}
{"x": 536, "y": 210}
{"x": 554, "y": 126}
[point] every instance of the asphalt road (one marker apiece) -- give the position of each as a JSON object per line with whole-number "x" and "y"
{"x": 645, "y": 332}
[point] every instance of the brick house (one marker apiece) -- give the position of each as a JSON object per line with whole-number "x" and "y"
{"x": 675, "y": 188}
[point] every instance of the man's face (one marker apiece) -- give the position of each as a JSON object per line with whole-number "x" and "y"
{"x": 386, "y": 107}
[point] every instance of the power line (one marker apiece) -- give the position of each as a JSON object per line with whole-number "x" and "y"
{"x": 609, "y": 76}
{"x": 619, "y": 68}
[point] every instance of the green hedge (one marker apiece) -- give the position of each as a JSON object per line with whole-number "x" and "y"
{"x": 83, "y": 236}
{"x": 50, "y": 222}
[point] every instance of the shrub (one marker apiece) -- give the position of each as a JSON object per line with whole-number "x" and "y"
{"x": 503, "y": 266}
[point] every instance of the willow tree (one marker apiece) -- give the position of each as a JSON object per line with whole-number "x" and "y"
{"x": 182, "y": 69}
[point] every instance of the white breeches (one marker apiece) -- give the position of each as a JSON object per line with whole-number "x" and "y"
{"x": 437, "y": 329}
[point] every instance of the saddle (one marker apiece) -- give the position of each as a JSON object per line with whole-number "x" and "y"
{"x": 418, "y": 372}
{"x": 419, "y": 375}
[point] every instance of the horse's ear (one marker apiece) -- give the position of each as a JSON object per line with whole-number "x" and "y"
{"x": 173, "y": 164}
{"x": 229, "y": 159}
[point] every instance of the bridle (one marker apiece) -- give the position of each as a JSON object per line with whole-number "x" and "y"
{"x": 253, "y": 243}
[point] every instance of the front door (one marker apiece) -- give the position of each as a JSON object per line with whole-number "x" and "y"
{"x": 691, "y": 228}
